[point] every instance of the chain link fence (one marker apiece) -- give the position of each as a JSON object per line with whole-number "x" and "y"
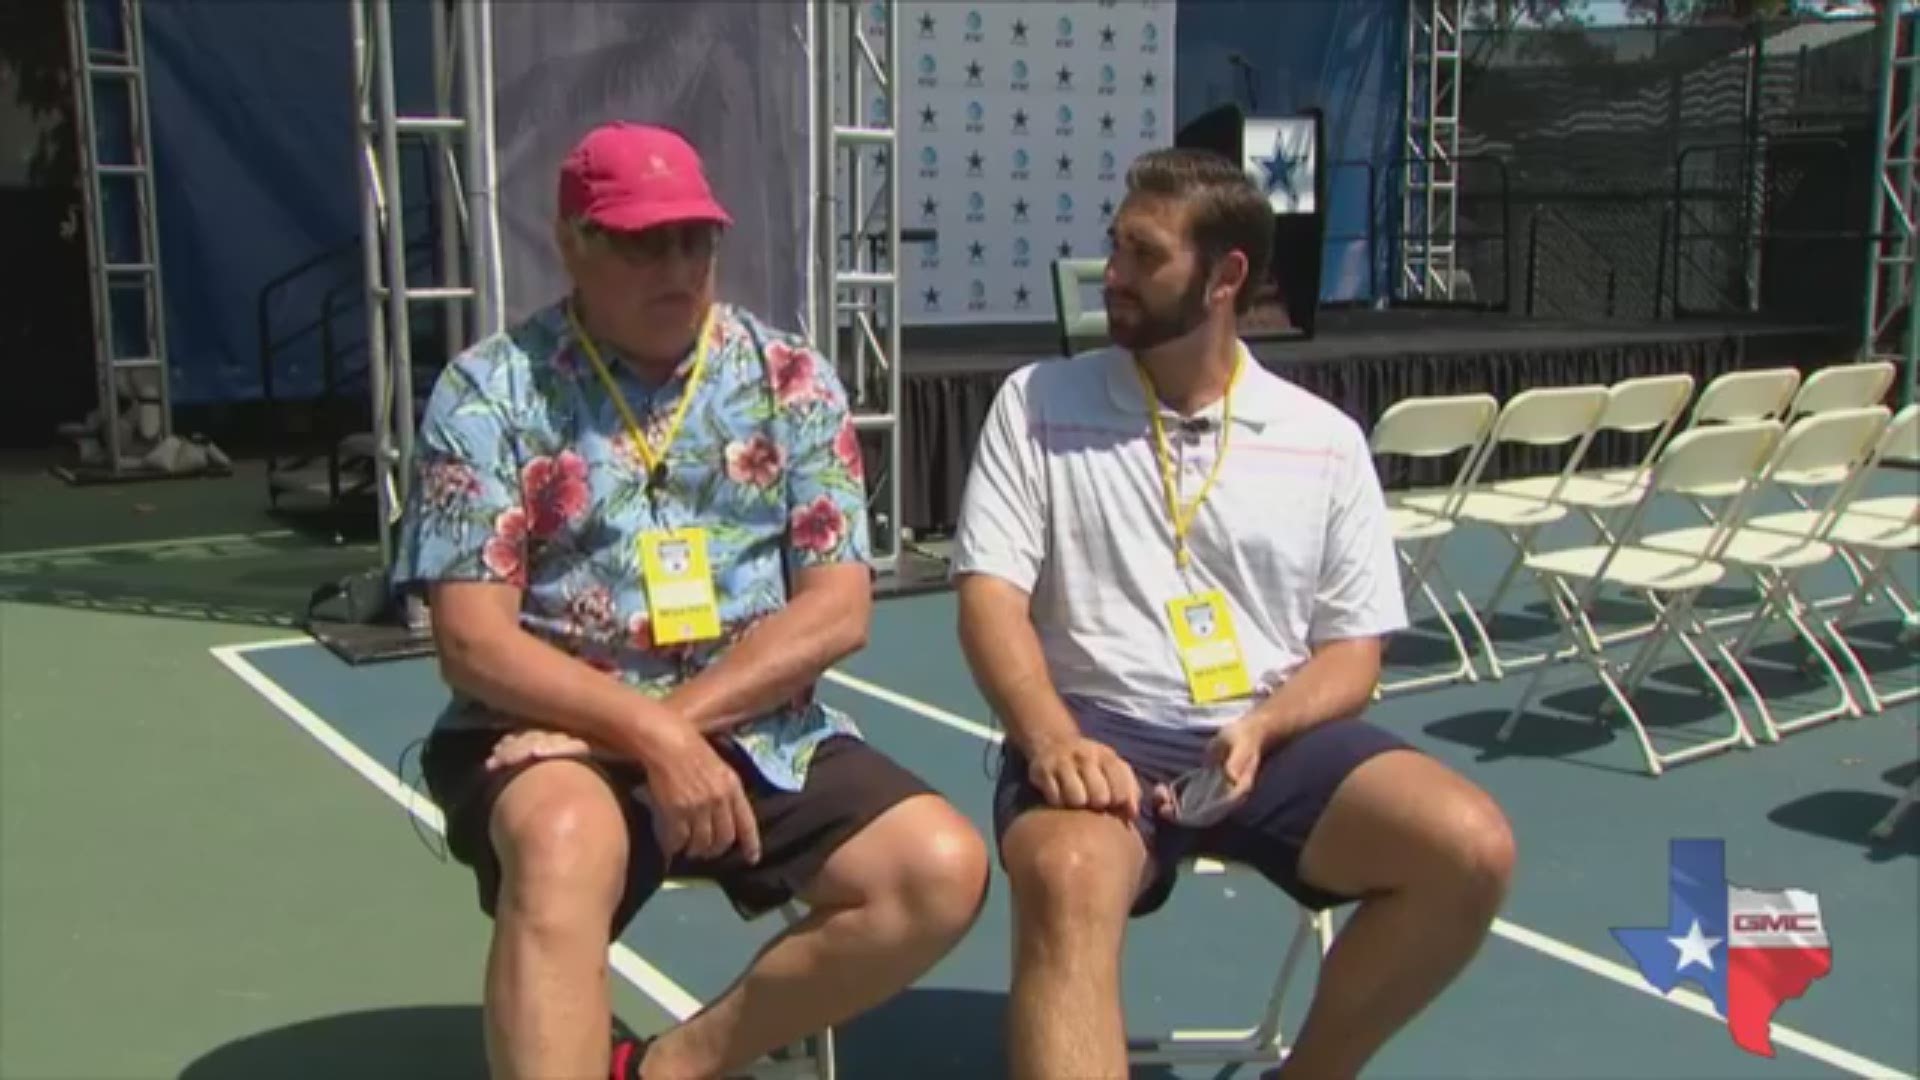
{"x": 1661, "y": 171}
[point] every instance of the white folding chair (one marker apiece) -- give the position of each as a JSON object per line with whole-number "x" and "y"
{"x": 1428, "y": 428}
{"x": 1264, "y": 1043}
{"x": 1079, "y": 324}
{"x": 1842, "y": 386}
{"x": 1721, "y": 461}
{"x": 1634, "y": 407}
{"x": 1561, "y": 416}
{"x": 1737, "y": 397}
{"x": 1871, "y": 531}
{"x": 1820, "y": 450}
{"x": 812, "y": 1058}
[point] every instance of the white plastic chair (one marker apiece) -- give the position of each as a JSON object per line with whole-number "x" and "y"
{"x": 1842, "y": 386}
{"x": 1720, "y": 461}
{"x": 1820, "y": 450}
{"x": 1871, "y": 532}
{"x": 1634, "y": 407}
{"x": 1264, "y": 1043}
{"x": 1077, "y": 322}
{"x": 1427, "y": 428}
{"x": 1561, "y": 416}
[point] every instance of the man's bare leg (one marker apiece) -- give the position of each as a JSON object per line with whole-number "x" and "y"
{"x": 1074, "y": 875}
{"x": 885, "y": 907}
{"x": 562, "y": 845}
{"x": 1432, "y": 855}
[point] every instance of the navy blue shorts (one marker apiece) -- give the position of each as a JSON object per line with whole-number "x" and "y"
{"x": 1266, "y": 832}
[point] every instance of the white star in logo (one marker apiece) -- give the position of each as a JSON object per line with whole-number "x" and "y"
{"x": 1696, "y": 947}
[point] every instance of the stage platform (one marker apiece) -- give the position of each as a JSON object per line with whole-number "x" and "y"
{"x": 1361, "y": 360}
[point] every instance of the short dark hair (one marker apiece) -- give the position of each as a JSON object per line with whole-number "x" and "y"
{"x": 1226, "y": 211}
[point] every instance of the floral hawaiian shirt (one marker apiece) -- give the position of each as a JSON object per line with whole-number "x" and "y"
{"x": 525, "y": 472}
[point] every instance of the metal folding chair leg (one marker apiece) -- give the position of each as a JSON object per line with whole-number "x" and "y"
{"x": 1904, "y": 803}
{"x": 1781, "y": 601}
{"x": 812, "y": 1058}
{"x": 1675, "y": 622}
{"x": 1877, "y": 580}
{"x": 1262, "y": 1044}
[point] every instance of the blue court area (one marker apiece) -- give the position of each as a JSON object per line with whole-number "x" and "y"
{"x": 1552, "y": 994}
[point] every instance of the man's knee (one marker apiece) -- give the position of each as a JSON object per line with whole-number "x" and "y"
{"x": 1477, "y": 845}
{"x": 561, "y": 841}
{"x": 944, "y": 876}
{"x": 1072, "y": 869}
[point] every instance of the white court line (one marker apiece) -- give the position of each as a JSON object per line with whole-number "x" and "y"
{"x": 1818, "y": 1049}
{"x": 646, "y": 978}
{"x": 142, "y": 545}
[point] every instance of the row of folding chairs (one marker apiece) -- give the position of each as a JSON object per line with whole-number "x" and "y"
{"x": 1769, "y": 409}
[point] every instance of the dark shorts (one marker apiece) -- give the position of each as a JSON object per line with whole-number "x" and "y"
{"x": 849, "y": 784}
{"x": 1266, "y": 832}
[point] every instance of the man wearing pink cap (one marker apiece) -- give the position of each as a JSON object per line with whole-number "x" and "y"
{"x": 639, "y": 517}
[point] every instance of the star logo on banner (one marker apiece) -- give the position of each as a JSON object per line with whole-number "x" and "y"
{"x": 1148, "y": 81}
{"x": 1106, "y": 123}
{"x": 1019, "y": 32}
{"x": 926, "y": 116}
{"x": 1066, "y": 249}
{"x": 1106, "y": 37}
{"x": 932, "y": 297}
{"x": 1019, "y": 209}
{"x": 973, "y": 71}
{"x": 976, "y": 251}
{"x": 1066, "y": 77}
{"x": 1066, "y": 165}
{"x": 1019, "y": 120}
{"x": 1106, "y": 209}
{"x": 1020, "y": 296}
{"x": 926, "y": 25}
{"x": 1279, "y": 166}
{"x": 929, "y": 208}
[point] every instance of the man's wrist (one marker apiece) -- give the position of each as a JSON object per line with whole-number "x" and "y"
{"x": 649, "y": 729}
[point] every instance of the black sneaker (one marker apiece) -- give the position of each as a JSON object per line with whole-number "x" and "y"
{"x": 627, "y": 1056}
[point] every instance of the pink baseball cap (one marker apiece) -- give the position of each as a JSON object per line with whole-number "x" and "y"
{"x": 635, "y": 176}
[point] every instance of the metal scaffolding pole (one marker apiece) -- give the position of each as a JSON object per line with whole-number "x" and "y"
{"x": 464, "y": 276}
{"x": 108, "y": 48}
{"x": 1891, "y": 280}
{"x": 1429, "y": 203}
{"x": 857, "y": 236}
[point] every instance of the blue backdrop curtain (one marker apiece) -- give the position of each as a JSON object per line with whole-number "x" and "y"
{"x": 255, "y": 171}
{"x": 1346, "y": 57}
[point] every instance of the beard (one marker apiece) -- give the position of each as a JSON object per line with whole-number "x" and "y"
{"x": 1147, "y": 326}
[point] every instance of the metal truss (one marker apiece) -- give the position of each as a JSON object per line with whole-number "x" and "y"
{"x": 464, "y": 276}
{"x": 1891, "y": 281}
{"x": 1430, "y": 191}
{"x": 855, "y": 317}
{"x": 108, "y": 48}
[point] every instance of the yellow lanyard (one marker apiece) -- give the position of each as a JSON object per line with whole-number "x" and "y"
{"x": 1183, "y": 520}
{"x": 656, "y": 462}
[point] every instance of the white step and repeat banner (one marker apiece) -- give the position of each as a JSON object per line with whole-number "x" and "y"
{"x": 1017, "y": 124}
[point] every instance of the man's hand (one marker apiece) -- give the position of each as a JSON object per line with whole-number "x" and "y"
{"x": 1077, "y": 773}
{"x": 535, "y": 744}
{"x": 699, "y": 805}
{"x": 1236, "y": 750}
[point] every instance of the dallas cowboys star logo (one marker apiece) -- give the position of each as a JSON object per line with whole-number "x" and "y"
{"x": 1280, "y": 166}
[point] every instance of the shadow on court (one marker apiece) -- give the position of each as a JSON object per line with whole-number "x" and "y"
{"x": 427, "y": 1042}
{"x": 937, "y": 1033}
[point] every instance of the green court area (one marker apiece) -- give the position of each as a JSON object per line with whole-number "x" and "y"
{"x": 210, "y": 867}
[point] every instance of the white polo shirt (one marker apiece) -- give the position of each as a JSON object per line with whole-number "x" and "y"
{"x": 1065, "y": 500}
